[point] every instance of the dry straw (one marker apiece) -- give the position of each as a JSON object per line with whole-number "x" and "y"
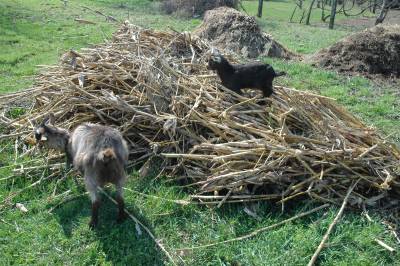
{"x": 155, "y": 87}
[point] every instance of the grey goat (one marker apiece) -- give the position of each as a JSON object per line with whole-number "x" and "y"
{"x": 99, "y": 152}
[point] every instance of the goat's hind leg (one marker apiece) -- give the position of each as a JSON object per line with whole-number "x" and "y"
{"x": 121, "y": 204}
{"x": 92, "y": 188}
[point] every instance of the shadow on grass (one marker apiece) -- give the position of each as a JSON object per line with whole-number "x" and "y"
{"x": 121, "y": 243}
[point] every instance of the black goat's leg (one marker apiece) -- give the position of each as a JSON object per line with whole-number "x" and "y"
{"x": 268, "y": 89}
{"x": 237, "y": 90}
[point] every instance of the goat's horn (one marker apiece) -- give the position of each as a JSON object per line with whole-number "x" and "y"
{"x": 212, "y": 50}
{"x": 45, "y": 119}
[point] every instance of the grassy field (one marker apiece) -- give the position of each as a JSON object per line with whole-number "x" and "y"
{"x": 37, "y": 32}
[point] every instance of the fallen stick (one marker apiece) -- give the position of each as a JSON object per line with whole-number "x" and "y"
{"x": 180, "y": 202}
{"x": 7, "y": 200}
{"x": 386, "y": 246}
{"x": 157, "y": 241}
{"x": 101, "y": 14}
{"x": 69, "y": 199}
{"x": 254, "y": 233}
{"x": 84, "y": 21}
{"x": 325, "y": 238}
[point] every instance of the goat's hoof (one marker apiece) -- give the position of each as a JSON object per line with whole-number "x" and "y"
{"x": 121, "y": 217}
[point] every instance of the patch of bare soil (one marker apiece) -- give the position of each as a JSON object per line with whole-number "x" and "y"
{"x": 232, "y": 31}
{"x": 392, "y": 18}
{"x": 372, "y": 52}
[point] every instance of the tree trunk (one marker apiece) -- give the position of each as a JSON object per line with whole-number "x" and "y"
{"x": 333, "y": 14}
{"x": 302, "y": 17}
{"x": 294, "y": 11}
{"x": 374, "y": 7}
{"x": 382, "y": 14}
{"x": 260, "y": 6}
{"x": 309, "y": 12}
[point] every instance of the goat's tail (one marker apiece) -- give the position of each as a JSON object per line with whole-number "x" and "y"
{"x": 106, "y": 155}
{"x": 280, "y": 73}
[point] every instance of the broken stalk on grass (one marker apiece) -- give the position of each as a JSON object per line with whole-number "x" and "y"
{"x": 137, "y": 221}
{"x": 332, "y": 225}
{"x": 256, "y": 232}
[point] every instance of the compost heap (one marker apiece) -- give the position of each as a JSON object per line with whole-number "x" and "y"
{"x": 368, "y": 53}
{"x": 232, "y": 31}
{"x": 155, "y": 88}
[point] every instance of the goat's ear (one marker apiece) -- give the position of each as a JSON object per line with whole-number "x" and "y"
{"x": 45, "y": 120}
{"x": 52, "y": 119}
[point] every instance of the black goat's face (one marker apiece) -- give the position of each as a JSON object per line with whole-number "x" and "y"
{"x": 214, "y": 61}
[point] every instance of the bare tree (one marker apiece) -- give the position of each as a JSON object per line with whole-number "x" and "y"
{"x": 386, "y": 6}
{"x": 374, "y": 5}
{"x": 309, "y": 12}
{"x": 299, "y": 4}
{"x": 345, "y": 7}
{"x": 260, "y": 6}
{"x": 333, "y": 14}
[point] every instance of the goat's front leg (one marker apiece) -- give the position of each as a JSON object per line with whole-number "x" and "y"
{"x": 91, "y": 187}
{"x": 268, "y": 89}
{"x": 121, "y": 204}
{"x": 237, "y": 90}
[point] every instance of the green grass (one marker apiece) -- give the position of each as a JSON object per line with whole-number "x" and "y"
{"x": 63, "y": 237}
{"x": 37, "y": 32}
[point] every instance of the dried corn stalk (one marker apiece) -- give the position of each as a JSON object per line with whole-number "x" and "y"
{"x": 155, "y": 87}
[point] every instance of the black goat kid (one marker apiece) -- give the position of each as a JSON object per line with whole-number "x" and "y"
{"x": 236, "y": 77}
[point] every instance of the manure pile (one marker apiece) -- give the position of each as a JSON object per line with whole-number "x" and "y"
{"x": 233, "y": 31}
{"x": 155, "y": 87}
{"x": 374, "y": 51}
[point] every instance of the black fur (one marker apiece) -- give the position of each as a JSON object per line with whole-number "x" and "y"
{"x": 236, "y": 77}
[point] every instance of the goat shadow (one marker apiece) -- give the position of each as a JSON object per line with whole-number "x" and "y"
{"x": 121, "y": 243}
